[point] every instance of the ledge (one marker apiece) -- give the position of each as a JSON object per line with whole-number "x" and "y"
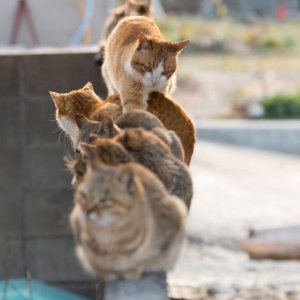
{"x": 279, "y": 136}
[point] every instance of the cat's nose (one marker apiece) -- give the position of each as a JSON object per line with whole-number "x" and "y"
{"x": 154, "y": 82}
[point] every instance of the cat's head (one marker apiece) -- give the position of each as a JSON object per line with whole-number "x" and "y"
{"x": 108, "y": 194}
{"x": 155, "y": 61}
{"x": 107, "y": 151}
{"x": 138, "y": 8}
{"x": 106, "y": 128}
{"x": 68, "y": 105}
{"x": 77, "y": 166}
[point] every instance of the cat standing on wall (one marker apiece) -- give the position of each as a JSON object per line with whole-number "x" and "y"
{"x": 138, "y": 61}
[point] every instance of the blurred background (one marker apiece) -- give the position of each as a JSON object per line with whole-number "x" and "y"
{"x": 239, "y": 80}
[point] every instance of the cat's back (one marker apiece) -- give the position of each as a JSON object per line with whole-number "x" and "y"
{"x": 173, "y": 116}
{"x": 128, "y": 30}
{"x": 138, "y": 118}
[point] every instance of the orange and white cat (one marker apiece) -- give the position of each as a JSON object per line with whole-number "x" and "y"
{"x": 83, "y": 101}
{"x": 139, "y": 61}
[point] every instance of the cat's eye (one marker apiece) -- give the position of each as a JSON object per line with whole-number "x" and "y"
{"x": 164, "y": 73}
{"x": 147, "y": 69}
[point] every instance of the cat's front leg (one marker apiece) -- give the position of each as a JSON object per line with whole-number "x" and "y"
{"x": 132, "y": 96}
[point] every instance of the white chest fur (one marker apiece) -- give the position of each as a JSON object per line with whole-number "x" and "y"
{"x": 69, "y": 127}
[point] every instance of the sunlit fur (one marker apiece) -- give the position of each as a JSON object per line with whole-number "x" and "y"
{"x": 125, "y": 222}
{"x": 144, "y": 147}
{"x": 85, "y": 102}
{"x": 139, "y": 61}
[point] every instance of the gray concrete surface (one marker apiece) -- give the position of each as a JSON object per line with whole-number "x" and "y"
{"x": 237, "y": 189}
{"x": 152, "y": 286}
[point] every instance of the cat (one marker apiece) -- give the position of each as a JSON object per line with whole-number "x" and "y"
{"x": 83, "y": 101}
{"x": 147, "y": 149}
{"x": 138, "y": 61}
{"x": 125, "y": 222}
{"x": 174, "y": 118}
{"x": 168, "y": 111}
{"x": 133, "y": 119}
{"x": 129, "y": 8}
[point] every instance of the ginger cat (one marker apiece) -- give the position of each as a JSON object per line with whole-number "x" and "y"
{"x": 144, "y": 147}
{"x": 125, "y": 222}
{"x": 174, "y": 118}
{"x": 129, "y": 8}
{"x": 83, "y": 101}
{"x": 138, "y": 61}
{"x": 168, "y": 111}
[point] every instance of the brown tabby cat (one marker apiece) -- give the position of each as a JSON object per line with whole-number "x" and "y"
{"x": 125, "y": 222}
{"x": 133, "y": 119}
{"x": 144, "y": 147}
{"x": 138, "y": 61}
{"x": 129, "y": 8}
{"x": 168, "y": 111}
{"x": 83, "y": 101}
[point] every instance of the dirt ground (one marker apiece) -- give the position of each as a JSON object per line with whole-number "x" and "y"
{"x": 237, "y": 189}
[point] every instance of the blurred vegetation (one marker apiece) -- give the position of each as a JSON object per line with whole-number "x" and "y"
{"x": 232, "y": 37}
{"x": 282, "y": 107}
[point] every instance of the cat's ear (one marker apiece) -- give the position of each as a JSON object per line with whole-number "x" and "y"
{"x": 57, "y": 98}
{"x": 93, "y": 138}
{"x": 143, "y": 43}
{"x": 132, "y": 183}
{"x": 108, "y": 127}
{"x": 80, "y": 121}
{"x": 179, "y": 46}
{"x": 90, "y": 155}
{"x": 89, "y": 86}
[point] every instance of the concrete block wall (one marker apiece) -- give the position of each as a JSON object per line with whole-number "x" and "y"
{"x": 35, "y": 191}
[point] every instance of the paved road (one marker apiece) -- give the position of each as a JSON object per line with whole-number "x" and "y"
{"x": 237, "y": 189}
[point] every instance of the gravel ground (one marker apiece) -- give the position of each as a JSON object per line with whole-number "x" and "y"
{"x": 237, "y": 189}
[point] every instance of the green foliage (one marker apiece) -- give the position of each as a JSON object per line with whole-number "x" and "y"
{"x": 230, "y": 36}
{"x": 282, "y": 107}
